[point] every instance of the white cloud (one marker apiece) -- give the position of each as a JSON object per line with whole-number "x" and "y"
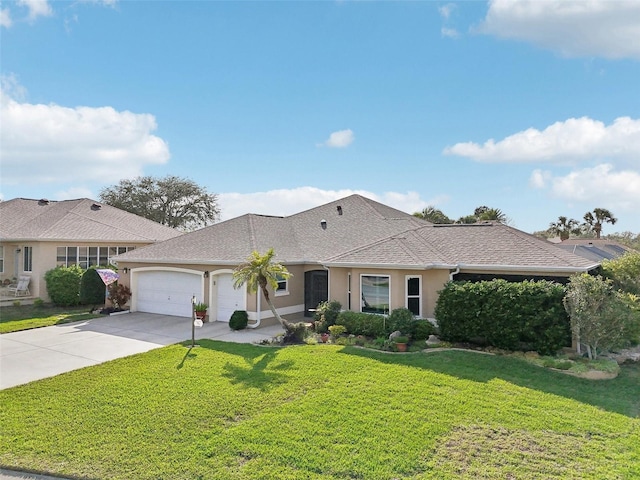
{"x": 5, "y": 18}
{"x": 339, "y": 139}
{"x": 287, "y": 202}
{"x": 603, "y": 28}
{"x": 37, "y": 8}
{"x": 446, "y": 10}
{"x": 575, "y": 139}
{"x": 74, "y": 192}
{"x": 52, "y": 143}
{"x": 601, "y": 186}
{"x": 449, "y": 32}
{"x": 539, "y": 178}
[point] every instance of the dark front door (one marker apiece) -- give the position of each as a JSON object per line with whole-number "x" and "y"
{"x": 316, "y": 290}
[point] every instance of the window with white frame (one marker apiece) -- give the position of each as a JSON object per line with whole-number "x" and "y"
{"x": 27, "y": 259}
{"x": 86, "y": 257}
{"x": 376, "y": 293}
{"x": 413, "y": 294}
{"x": 283, "y": 285}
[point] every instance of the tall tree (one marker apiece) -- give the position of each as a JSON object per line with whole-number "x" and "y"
{"x": 484, "y": 213}
{"x": 594, "y": 220}
{"x": 173, "y": 201}
{"x": 492, "y": 214}
{"x": 565, "y": 227}
{"x": 433, "y": 215}
{"x": 260, "y": 272}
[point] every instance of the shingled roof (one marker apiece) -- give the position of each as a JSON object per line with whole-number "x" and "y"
{"x": 357, "y": 231}
{"x": 304, "y": 237}
{"x": 487, "y": 246}
{"x": 83, "y": 219}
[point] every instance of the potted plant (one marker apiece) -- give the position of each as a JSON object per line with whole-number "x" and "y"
{"x": 401, "y": 343}
{"x": 201, "y": 310}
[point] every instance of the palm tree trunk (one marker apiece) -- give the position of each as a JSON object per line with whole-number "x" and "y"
{"x": 265, "y": 292}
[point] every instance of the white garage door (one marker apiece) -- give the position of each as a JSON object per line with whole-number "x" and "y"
{"x": 229, "y": 299}
{"x": 168, "y": 293}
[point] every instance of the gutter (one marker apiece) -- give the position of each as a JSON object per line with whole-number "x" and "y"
{"x": 523, "y": 268}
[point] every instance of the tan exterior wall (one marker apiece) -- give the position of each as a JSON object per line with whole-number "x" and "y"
{"x": 44, "y": 259}
{"x": 341, "y": 288}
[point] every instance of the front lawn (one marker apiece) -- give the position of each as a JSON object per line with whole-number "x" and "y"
{"x": 24, "y": 317}
{"x": 233, "y": 411}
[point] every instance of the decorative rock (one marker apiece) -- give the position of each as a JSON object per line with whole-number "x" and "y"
{"x": 395, "y": 334}
{"x": 433, "y": 340}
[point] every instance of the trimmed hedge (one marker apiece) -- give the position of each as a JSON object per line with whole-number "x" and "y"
{"x": 63, "y": 285}
{"x": 366, "y": 324}
{"x": 239, "y": 320}
{"x": 92, "y": 288}
{"x": 514, "y": 316}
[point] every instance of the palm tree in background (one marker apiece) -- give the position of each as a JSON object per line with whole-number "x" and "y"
{"x": 564, "y": 227}
{"x": 433, "y": 215}
{"x": 261, "y": 272}
{"x": 594, "y": 220}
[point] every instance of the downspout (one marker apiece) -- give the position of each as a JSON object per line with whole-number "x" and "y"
{"x": 258, "y": 315}
{"x": 455, "y": 272}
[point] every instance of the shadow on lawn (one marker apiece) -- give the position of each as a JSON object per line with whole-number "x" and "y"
{"x": 262, "y": 369}
{"x": 619, "y": 395}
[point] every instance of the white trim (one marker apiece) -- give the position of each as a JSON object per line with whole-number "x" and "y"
{"x": 375, "y": 275}
{"x": 534, "y": 268}
{"x": 282, "y": 311}
{"x": 419, "y": 296}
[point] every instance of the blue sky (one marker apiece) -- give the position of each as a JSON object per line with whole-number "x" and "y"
{"x": 531, "y": 107}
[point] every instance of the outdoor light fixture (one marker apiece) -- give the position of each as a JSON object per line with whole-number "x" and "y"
{"x": 125, "y": 270}
{"x": 206, "y": 274}
{"x": 323, "y": 224}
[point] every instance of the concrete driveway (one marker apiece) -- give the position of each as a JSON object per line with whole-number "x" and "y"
{"x": 45, "y": 352}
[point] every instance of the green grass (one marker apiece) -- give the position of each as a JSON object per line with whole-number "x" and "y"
{"x": 24, "y": 317}
{"x": 231, "y": 411}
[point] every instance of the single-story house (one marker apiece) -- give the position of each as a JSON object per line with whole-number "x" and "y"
{"x": 38, "y": 235}
{"x": 366, "y": 255}
{"x": 595, "y": 249}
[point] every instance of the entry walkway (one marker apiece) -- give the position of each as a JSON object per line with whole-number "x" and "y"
{"x": 45, "y": 352}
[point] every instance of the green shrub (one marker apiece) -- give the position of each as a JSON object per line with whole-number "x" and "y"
{"x": 367, "y": 324}
{"x": 63, "y": 285}
{"x": 513, "y": 316}
{"x": 421, "y": 329}
{"x": 326, "y": 315}
{"x": 400, "y": 319}
{"x": 295, "y": 333}
{"x": 92, "y": 289}
{"x": 38, "y": 303}
{"x": 239, "y": 320}
{"x": 337, "y": 330}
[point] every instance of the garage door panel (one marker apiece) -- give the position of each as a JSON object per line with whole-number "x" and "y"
{"x": 229, "y": 299}
{"x": 167, "y": 292}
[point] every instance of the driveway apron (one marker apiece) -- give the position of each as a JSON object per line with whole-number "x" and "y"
{"x": 45, "y": 352}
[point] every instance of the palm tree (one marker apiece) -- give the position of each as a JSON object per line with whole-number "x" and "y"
{"x": 595, "y": 219}
{"x": 492, "y": 214}
{"x": 433, "y": 215}
{"x": 260, "y": 271}
{"x": 564, "y": 227}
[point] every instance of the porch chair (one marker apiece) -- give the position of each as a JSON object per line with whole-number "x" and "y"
{"x": 21, "y": 289}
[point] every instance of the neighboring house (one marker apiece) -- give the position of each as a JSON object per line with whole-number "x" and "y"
{"x": 594, "y": 249}
{"x": 368, "y": 256}
{"x": 38, "y": 235}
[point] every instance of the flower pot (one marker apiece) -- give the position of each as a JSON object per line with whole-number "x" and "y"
{"x": 201, "y": 315}
{"x": 402, "y": 347}
{"x": 324, "y": 337}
